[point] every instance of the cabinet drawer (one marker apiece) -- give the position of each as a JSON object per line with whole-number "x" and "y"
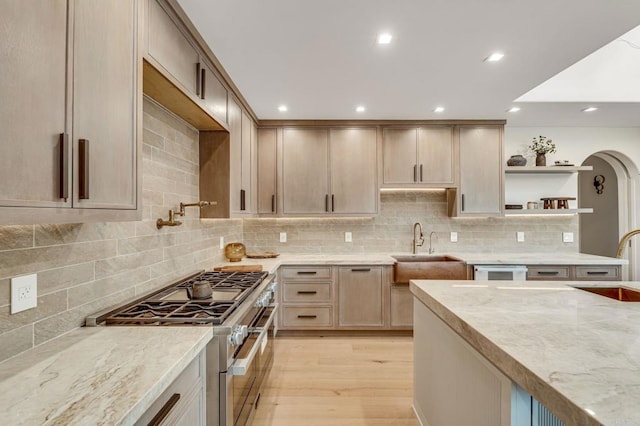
{"x": 307, "y": 273}
{"x": 598, "y": 273}
{"x": 316, "y": 292}
{"x": 307, "y": 317}
{"x": 548, "y": 273}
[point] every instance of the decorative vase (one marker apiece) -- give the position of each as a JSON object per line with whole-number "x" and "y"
{"x": 517, "y": 160}
{"x": 541, "y": 160}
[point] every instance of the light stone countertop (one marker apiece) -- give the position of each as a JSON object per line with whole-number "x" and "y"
{"x": 96, "y": 376}
{"x": 572, "y": 350}
{"x": 272, "y": 265}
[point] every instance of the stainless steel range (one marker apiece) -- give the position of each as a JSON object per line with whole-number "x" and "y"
{"x": 241, "y": 308}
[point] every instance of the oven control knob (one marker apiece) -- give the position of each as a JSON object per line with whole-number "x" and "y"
{"x": 236, "y": 338}
{"x": 244, "y": 331}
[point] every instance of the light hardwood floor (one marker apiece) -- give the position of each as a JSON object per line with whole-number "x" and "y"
{"x": 339, "y": 381}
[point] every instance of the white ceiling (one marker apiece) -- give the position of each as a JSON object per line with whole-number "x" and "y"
{"x": 320, "y": 58}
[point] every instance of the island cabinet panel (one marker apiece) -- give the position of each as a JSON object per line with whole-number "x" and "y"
{"x": 361, "y": 301}
{"x": 267, "y": 171}
{"x": 353, "y": 171}
{"x": 400, "y": 306}
{"x": 33, "y": 112}
{"x": 481, "y": 175}
{"x": 172, "y": 49}
{"x": 449, "y": 374}
{"x": 304, "y": 171}
{"x": 419, "y": 157}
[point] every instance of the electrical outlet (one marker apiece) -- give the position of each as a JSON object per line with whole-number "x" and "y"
{"x": 348, "y": 237}
{"x": 221, "y": 242}
{"x": 567, "y": 237}
{"x": 520, "y": 237}
{"x": 283, "y": 237}
{"x": 454, "y": 237}
{"x": 24, "y": 293}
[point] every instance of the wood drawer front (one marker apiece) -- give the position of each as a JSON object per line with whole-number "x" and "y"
{"x": 301, "y": 293}
{"x": 307, "y": 273}
{"x": 598, "y": 273}
{"x": 307, "y": 317}
{"x": 548, "y": 273}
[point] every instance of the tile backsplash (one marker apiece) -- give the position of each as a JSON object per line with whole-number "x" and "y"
{"x": 85, "y": 268}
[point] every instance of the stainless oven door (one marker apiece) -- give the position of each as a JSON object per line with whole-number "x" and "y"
{"x": 243, "y": 378}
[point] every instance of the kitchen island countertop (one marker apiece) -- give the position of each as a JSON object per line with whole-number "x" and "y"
{"x": 96, "y": 376}
{"x": 576, "y": 352}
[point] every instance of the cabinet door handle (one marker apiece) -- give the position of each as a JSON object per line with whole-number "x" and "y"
{"x": 307, "y": 272}
{"x": 308, "y": 316}
{"x": 548, "y": 272}
{"x": 421, "y": 173}
{"x": 165, "y": 410}
{"x": 462, "y": 202}
{"x": 63, "y": 182}
{"x": 273, "y": 203}
{"x": 198, "y": 77}
{"x": 307, "y": 292}
{"x": 242, "y": 200}
{"x": 415, "y": 173}
{"x": 326, "y": 203}
{"x": 83, "y": 169}
{"x": 597, "y": 272}
{"x": 203, "y": 81}
{"x": 361, "y": 270}
{"x": 333, "y": 203}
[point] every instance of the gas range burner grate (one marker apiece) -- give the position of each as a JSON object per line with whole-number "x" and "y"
{"x": 155, "y": 311}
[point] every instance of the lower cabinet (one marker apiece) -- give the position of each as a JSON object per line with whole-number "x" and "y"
{"x": 183, "y": 402}
{"x": 574, "y": 273}
{"x": 358, "y": 297}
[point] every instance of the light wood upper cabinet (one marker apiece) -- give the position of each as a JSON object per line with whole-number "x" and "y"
{"x": 235, "y": 161}
{"x": 33, "y": 111}
{"x": 172, "y": 49}
{"x": 80, "y": 155}
{"x": 267, "y": 171}
{"x": 353, "y": 171}
{"x": 105, "y": 103}
{"x": 361, "y": 297}
{"x": 419, "y": 157}
{"x": 481, "y": 177}
{"x": 213, "y": 93}
{"x": 304, "y": 171}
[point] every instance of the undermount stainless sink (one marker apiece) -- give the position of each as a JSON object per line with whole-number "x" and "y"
{"x": 428, "y": 267}
{"x": 618, "y": 293}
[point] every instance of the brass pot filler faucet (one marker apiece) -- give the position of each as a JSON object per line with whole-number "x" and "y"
{"x": 172, "y": 220}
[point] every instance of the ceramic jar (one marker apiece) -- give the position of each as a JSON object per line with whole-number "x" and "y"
{"x": 517, "y": 160}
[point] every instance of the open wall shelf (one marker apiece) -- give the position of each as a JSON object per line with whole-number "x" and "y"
{"x": 546, "y": 169}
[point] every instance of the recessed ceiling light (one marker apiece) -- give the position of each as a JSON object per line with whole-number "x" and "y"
{"x": 360, "y": 108}
{"x": 513, "y": 109}
{"x": 384, "y": 38}
{"x": 494, "y": 57}
{"x": 590, "y": 109}
{"x": 438, "y": 109}
{"x": 282, "y": 108}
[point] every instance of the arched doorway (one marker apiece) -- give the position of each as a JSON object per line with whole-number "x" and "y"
{"x": 614, "y": 207}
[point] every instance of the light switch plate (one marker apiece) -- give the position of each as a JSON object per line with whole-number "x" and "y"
{"x": 348, "y": 237}
{"x": 454, "y": 237}
{"x": 520, "y": 237}
{"x": 24, "y": 293}
{"x": 221, "y": 242}
{"x": 283, "y": 237}
{"x": 567, "y": 237}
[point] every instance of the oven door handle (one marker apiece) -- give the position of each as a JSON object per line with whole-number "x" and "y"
{"x": 241, "y": 366}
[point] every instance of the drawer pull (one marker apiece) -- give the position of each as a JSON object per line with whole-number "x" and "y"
{"x": 548, "y": 272}
{"x": 308, "y": 316}
{"x": 361, "y": 270}
{"x": 307, "y": 292}
{"x": 597, "y": 272}
{"x": 307, "y": 272}
{"x": 165, "y": 410}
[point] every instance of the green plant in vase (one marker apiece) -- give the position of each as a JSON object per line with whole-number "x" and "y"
{"x": 542, "y": 146}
